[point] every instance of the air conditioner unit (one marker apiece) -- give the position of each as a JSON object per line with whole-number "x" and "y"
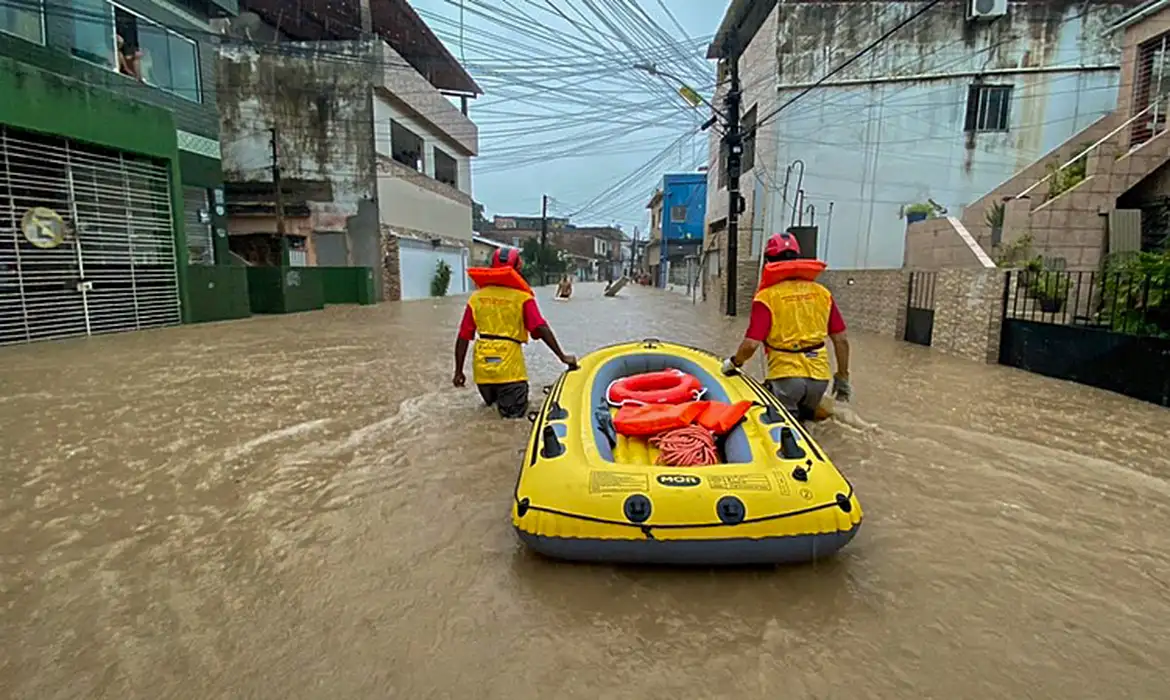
{"x": 985, "y": 10}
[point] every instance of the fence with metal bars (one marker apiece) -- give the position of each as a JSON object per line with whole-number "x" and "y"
{"x": 1127, "y": 302}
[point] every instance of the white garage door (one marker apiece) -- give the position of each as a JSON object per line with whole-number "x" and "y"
{"x": 417, "y": 262}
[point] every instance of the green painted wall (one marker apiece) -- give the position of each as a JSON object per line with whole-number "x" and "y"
{"x": 200, "y": 170}
{"x": 271, "y": 293}
{"x": 219, "y": 293}
{"x": 198, "y": 116}
{"x": 37, "y": 100}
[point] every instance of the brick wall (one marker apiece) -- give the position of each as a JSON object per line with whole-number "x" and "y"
{"x": 870, "y": 300}
{"x": 391, "y": 282}
{"x": 968, "y": 313}
{"x": 968, "y": 307}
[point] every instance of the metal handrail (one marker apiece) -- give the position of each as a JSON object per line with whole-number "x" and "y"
{"x": 1100, "y": 141}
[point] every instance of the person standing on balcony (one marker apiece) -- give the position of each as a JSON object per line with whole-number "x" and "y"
{"x": 792, "y": 318}
{"x": 503, "y": 313}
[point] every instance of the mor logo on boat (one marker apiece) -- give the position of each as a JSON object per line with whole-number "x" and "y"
{"x": 679, "y": 480}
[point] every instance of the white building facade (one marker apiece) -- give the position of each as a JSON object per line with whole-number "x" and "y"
{"x": 936, "y": 116}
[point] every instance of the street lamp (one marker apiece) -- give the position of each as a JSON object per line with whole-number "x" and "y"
{"x": 685, "y": 91}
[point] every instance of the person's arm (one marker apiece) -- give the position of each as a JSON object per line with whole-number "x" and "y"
{"x": 466, "y": 335}
{"x": 538, "y": 327}
{"x": 757, "y": 331}
{"x": 840, "y": 340}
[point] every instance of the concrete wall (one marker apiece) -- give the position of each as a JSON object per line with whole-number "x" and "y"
{"x": 397, "y": 78}
{"x": 935, "y": 244}
{"x": 409, "y": 199}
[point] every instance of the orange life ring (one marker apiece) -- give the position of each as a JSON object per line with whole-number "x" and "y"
{"x": 802, "y": 269}
{"x": 670, "y": 386}
{"x": 498, "y": 277}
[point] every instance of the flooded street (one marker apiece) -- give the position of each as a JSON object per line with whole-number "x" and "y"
{"x": 303, "y": 507}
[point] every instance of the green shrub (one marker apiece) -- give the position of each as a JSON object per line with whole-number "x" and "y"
{"x": 442, "y": 279}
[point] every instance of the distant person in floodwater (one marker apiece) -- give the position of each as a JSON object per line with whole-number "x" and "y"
{"x": 565, "y": 287}
{"x": 503, "y": 316}
{"x": 792, "y": 319}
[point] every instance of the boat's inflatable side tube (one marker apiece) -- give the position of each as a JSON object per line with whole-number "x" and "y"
{"x": 776, "y": 272}
{"x": 738, "y": 551}
{"x": 498, "y": 277}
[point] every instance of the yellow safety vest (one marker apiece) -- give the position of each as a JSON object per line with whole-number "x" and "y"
{"x": 499, "y": 323}
{"x": 800, "y": 325}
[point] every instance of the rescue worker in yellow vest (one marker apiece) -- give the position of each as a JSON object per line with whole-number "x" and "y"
{"x": 503, "y": 318}
{"x": 792, "y": 319}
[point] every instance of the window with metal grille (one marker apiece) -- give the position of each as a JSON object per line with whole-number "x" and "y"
{"x": 678, "y": 214}
{"x": 1151, "y": 91}
{"x": 988, "y": 108}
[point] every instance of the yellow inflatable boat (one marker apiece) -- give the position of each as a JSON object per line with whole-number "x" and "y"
{"x": 586, "y": 493}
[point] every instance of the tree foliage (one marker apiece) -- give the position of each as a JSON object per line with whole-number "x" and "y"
{"x": 540, "y": 262}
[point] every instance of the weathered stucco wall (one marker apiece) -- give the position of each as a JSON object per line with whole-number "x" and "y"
{"x": 888, "y": 131}
{"x": 318, "y": 98}
{"x": 874, "y": 148}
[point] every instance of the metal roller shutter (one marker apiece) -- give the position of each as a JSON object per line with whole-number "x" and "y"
{"x": 86, "y": 240}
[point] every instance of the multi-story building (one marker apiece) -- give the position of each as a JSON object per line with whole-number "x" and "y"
{"x": 111, "y": 193}
{"x": 374, "y": 158}
{"x": 932, "y": 119}
{"x": 677, "y": 221}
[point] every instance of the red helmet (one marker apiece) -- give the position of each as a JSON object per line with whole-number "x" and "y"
{"x": 506, "y": 257}
{"x": 781, "y": 242}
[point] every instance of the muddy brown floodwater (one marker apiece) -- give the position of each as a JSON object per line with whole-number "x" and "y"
{"x": 303, "y": 507}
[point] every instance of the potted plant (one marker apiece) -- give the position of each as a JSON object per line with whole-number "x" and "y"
{"x": 1050, "y": 289}
{"x": 920, "y": 211}
{"x": 994, "y": 218}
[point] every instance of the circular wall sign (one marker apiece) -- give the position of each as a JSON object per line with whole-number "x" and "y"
{"x": 43, "y": 227}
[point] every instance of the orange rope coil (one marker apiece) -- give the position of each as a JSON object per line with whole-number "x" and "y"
{"x": 692, "y": 446}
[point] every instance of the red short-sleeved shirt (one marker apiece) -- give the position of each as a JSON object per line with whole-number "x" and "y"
{"x": 761, "y": 323}
{"x": 532, "y": 320}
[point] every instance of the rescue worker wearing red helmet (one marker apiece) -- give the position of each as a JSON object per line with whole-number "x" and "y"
{"x": 792, "y": 320}
{"x": 503, "y": 318}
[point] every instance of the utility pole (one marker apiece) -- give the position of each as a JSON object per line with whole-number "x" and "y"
{"x": 734, "y": 141}
{"x": 634, "y": 253}
{"x": 278, "y": 190}
{"x": 543, "y": 238}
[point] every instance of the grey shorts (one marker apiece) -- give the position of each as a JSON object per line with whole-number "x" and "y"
{"x": 800, "y": 395}
{"x": 510, "y": 399}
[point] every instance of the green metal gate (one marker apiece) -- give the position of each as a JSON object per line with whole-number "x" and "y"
{"x": 86, "y": 240}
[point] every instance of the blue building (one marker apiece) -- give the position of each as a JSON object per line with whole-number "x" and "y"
{"x": 678, "y": 213}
